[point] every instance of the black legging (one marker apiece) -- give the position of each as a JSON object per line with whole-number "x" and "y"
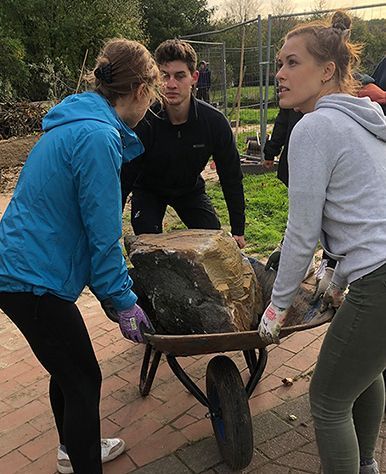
{"x": 56, "y": 332}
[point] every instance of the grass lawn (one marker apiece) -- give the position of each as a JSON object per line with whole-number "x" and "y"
{"x": 252, "y": 116}
{"x": 248, "y": 94}
{"x": 266, "y": 213}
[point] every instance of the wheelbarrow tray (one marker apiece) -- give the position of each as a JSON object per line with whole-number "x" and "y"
{"x": 197, "y": 344}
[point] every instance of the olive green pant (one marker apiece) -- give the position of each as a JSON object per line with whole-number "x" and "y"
{"x": 347, "y": 393}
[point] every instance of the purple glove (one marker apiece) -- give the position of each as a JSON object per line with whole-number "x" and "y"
{"x": 134, "y": 322}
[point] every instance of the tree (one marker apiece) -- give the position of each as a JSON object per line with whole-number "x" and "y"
{"x": 242, "y": 10}
{"x": 14, "y": 72}
{"x": 317, "y": 7}
{"x": 166, "y": 19}
{"x": 60, "y": 31}
{"x": 281, "y": 25}
{"x": 372, "y": 35}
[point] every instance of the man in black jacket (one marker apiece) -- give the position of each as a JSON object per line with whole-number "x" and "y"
{"x": 278, "y": 143}
{"x": 179, "y": 137}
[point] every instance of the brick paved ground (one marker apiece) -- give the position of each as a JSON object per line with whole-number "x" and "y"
{"x": 168, "y": 419}
{"x": 167, "y": 432}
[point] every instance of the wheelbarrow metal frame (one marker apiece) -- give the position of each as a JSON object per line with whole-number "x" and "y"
{"x": 256, "y": 366}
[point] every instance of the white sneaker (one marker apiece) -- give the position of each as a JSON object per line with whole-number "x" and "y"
{"x": 110, "y": 449}
{"x": 321, "y": 270}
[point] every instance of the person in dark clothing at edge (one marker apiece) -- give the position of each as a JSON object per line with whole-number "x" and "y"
{"x": 379, "y": 76}
{"x": 278, "y": 143}
{"x": 204, "y": 81}
{"x": 179, "y": 137}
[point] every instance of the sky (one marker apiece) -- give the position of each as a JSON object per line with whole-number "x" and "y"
{"x": 307, "y": 5}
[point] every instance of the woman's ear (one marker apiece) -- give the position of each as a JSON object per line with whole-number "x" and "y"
{"x": 328, "y": 71}
{"x": 140, "y": 91}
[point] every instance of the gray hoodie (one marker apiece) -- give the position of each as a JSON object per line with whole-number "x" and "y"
{"x": 337, "y": 192}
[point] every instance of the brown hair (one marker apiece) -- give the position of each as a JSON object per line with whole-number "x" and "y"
{"x": 176, "y": 50}
{"x": 122, "y": 65}
{"x": 330, "y": 41}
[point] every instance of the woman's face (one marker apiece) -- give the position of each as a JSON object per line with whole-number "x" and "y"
{"x": 302, "y": 81}
{"x": 133, "y": 107}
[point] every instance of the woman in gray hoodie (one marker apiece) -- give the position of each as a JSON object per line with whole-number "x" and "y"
{"x": 338, "y": 195}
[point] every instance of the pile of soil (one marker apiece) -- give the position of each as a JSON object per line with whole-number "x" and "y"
{"x": 8, "y": 178}
{"x": 13, "y": 154}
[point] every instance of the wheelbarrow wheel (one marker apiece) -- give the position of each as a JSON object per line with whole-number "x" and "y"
{"x": 229, "y": 412}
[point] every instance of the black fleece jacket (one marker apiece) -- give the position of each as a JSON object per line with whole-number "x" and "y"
{"x": 175, "y": 156}
{"x": 284, "y": 123}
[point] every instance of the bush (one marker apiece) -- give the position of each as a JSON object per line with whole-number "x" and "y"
{"x": 18, "y": 119}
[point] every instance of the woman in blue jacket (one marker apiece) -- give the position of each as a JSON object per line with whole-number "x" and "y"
{"x": 61, "y": 232}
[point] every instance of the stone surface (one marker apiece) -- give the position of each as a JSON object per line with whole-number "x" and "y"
{"x": 195, "y": 282}
{"x": 198, "y": 282}
{"x": 167, "y": 465}
{"x": 202, "y": 455}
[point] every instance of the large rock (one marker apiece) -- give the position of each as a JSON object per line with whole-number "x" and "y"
{"x": 195, "y": 282}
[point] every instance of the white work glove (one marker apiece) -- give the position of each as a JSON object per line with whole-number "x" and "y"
{"x": 271, "y": 323}
{"x": 333, "y": 296}
{"x": 322, "y": 284}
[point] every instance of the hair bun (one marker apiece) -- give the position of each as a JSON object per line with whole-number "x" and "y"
{"x": 341, "y": 21}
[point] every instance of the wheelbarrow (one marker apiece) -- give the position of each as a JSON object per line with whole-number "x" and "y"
{"x": 226, "y": 395}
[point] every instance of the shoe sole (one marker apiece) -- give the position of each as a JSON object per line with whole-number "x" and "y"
{"x": 65, "y": 469}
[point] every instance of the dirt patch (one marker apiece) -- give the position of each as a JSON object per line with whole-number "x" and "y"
{"x": 14, "y": 152}
{"x": 8, "y": 178}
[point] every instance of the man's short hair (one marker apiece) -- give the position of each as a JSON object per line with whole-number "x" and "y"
{"x": 176, "y": 50}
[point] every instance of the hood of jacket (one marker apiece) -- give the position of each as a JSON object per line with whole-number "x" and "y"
{"x": 361, "y": 109}
{"x": 92, "y": 106}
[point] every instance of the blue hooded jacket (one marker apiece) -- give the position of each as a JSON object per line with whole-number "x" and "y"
{"x": 62, "y": 227}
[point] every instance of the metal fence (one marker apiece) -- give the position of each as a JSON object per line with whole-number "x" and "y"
{"x": 214, "y": 55}
{"x": 237, "y": 68}
{"x": 242, "y": 61}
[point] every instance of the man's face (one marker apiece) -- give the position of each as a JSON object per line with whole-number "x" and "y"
{"x": 177, "y": 82}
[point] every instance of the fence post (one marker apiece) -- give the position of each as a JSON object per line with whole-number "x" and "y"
{"x": 260, "y": 53}
{"x": 224, "y": 63}
{"x": 266, "y": 99}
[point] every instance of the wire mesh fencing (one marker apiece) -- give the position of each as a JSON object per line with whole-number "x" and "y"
{"x": 242, "y": 60}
